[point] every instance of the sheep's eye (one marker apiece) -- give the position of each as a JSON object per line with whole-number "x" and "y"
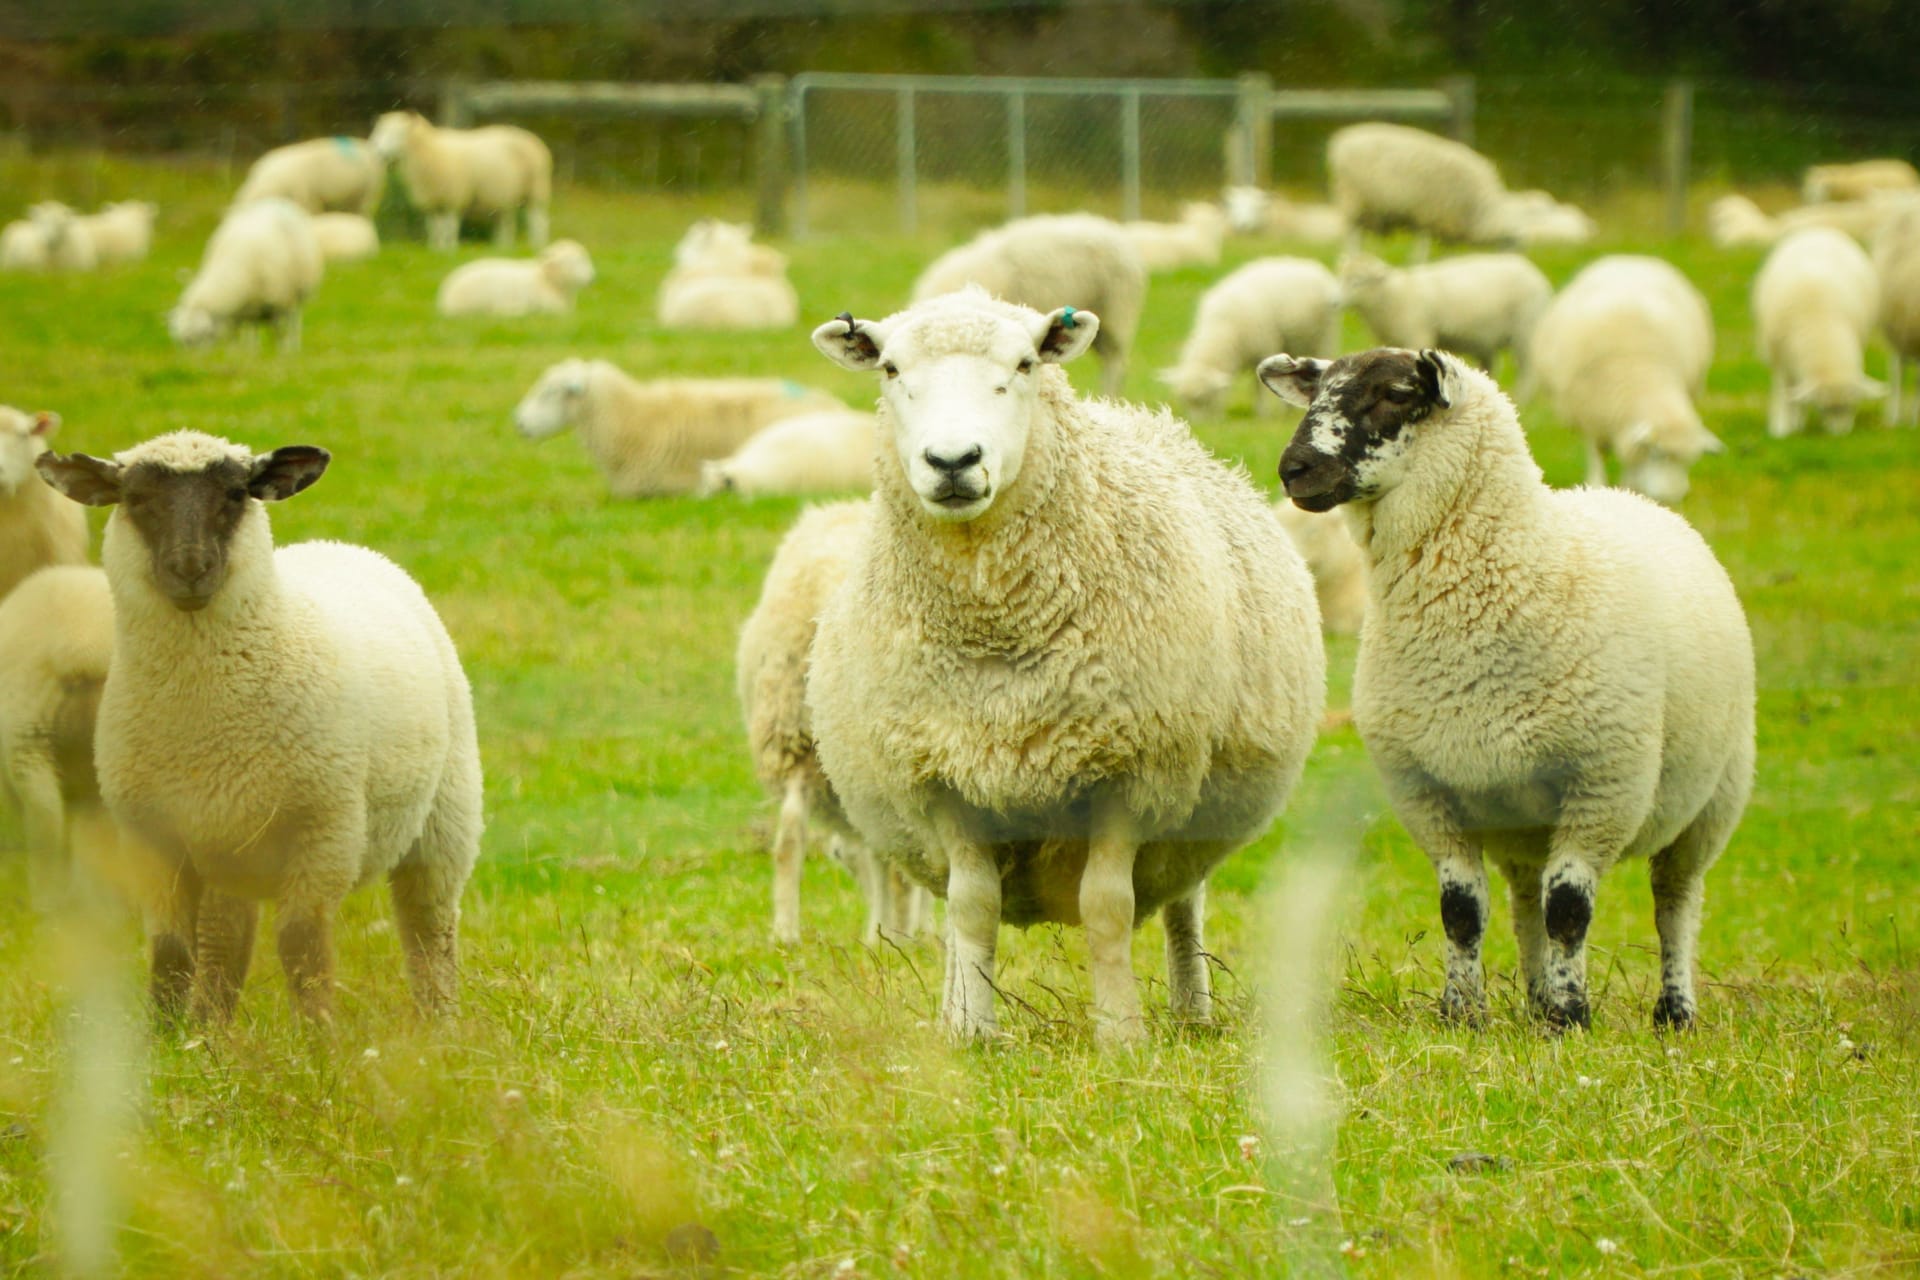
{"x": 1025, "y": 366}
{"x": 1398, "y": 395}
{"x": 891, "y": 369}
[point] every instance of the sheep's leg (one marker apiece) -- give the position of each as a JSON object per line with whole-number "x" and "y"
{"x": 1463, "y": 892}
{"x": 538, "y": 228}
{"x": 426, "y": 913}
{"x": 289, "y": 326}
{"x": 1679, "y": 888}
{"x": 789, "y": 852}
{"x": 1779, "y": 407}
{"x": 903, "y": 904}
{"x": 443, "y": 231}
{"x": 329, "y": 863}
{"x": 1567, "y": 890}
{"x": 43, "y": 812}
{"x": 874, "y": 884}
{"x": 504, "y": 227}
{"x": 223, "y": 951}
{"x": 1896, "y": 384}
{"x": 973, "y": 925}
{"x": 170, "y": 931}
{"x": 1113, "y": 373}
{"x": 1190, "y": 982}
{"x": 1106, "y": 910}
{"x": 1422, "y": 248}
{"x": 1596, "y": 464}
{"x": 1529, "y": 928}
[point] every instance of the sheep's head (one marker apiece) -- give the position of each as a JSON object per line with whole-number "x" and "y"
{"x": 567, "y": 264}
{"x": 193, "y": 326}
{"x": 391, "y": 131}
{"x": 554, "y": 403}
{"x": 1835, "y": 403}
{"x": 960, "y": 375}
{"x": 186, "y": 495}
{"x": 1363, "y": 414}
{"x": 23, "y": 437}
{"x": 1362, "y": 273}
{"x": 1199, "y": 391}
{"x": 1655, "y": 456}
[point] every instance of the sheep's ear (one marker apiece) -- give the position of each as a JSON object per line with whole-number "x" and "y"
{"x": 1707, "y": 442}
{"x": 1295, "y": 379}
{"x": 1439, "y": 375}
{"x": 286, "y": 471}
{"x": 1064, "y": 334}
{"x": 47, "y": 425}
{"x": 92, "y": 482}
{"x": 850, "y": 343}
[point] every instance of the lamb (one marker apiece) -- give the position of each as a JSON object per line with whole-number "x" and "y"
{"x": 1814, "y": 305}
{"x": 1267, "y": 305}
{"x": 506, "y": 287}
{"x": 1622, "y": 353}
{"x": 1388, "y": 176}
{"x": 771, "y": 670}
{"x": 38, "y": 527}
{"x": 1551, "y": 679}
{"x": 321, "y": 175}
{"x": 52, "y": 238}
{"x": 1076, "y": 260}
{"x": 726, "y": 248}
{"x": 1193, "y": 241}
{"x": 826, "y": 452}
{"x": 1896, "y": 255}
{"x": 1077, "y": 662}
{"x": 708, "y": 300}
{"x": 121, "y": 232}
{"x": 279, "y": 724}
{"x": 651, "y": 437}
{"x": 491, "y": 172}
{"x": 261, "y": 265}
{"x": 1860, "y": 180}
{"x": 1338, "y": 566}
{"x": 345, "y": 237}
{"x": 1477, "y": 305}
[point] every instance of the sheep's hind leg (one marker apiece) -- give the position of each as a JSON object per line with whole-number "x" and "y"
{"x": 1188, "y": 979}
{"x": 789, "y": 852}
{"x": 973, "y": 925}
{"x": 1779, "y": 407}
{"x": 1529, "y": 928}
{"x": 36, "y": 785}
{"x": 223, "y": 952}
{"x": 443, "y": 231}
{"x": 1567, "y": 908}
{"x": 426, "y": 913}
{"x": 538, "y": 228}
{"x": 1106, "y": 910}
{"x": 1679, "y": 875}
{"x": 504, "y": 227}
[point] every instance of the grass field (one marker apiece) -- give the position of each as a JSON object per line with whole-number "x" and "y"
{"x": 641, "y": 1084}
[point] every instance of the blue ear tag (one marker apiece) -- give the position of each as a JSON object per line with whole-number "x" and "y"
{"x": 1066, "y": 318}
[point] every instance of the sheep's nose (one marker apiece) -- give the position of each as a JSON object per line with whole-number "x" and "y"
{"x": 953, "y": 462}
{"x": 1294, "y": 465}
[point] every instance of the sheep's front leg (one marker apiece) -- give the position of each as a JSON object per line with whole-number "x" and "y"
{"x": 1106, "y": 910}
{"x": 1596, "y": 465}
{"x": 36, "y": 785}
{"x": 1779, "y": 406}
{"x": 288, "y": 323}
{"x": 1463, "y": 896}
{"x": 537, "y": 226}
{"x": 973, "y": 927}
{"x": 443, "y": 231}
{"x": 328, "y": 866}
{"x": 223, "y": 952}
{"x": 1896, "y": 384}
{"x": 170, "y": 922}
{"x": 504, "y": 227}
{"x": 1188, "y": 978}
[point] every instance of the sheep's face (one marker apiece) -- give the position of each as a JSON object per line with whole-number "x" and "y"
{"x": 1363, "y": 414}
{"x": 1200, "y": 392}
{"x": 23, "y": 438}
{"x": 568, "y": 265}
{"x": 390, "y": 133}
{"x": 1247, "y": 208}
{"x": 1834, "y": 404}
{"x": 192, "y": 326}
{"x": 186, "y": 516}
{"x": 959, "y": 375}
{"x": 1655, "y": 458}
{"x": 552, "y": 405}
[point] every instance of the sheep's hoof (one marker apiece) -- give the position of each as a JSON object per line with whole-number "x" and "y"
{"x": 1568, "y": 1014}
{"x": 1463, "y": 1010}
{"x": 1672, "y": 1012}
{"x": 1110, "y": 1034}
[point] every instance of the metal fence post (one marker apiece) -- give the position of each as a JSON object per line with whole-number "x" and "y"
{"x": 1130, "y": 152}
{"x": 797, "y": 153}
{"x": 453, "y": 105}
{"x": 1676, "y": 147}
{"x": 1250, "y": 163}
{"x": 1017, "y": 154}
{"x": 770, "y": 156}
{"x": 903, "y": 147}
{"x": 1460, "y": 91}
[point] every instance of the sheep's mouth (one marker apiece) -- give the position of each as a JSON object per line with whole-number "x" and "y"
{"x": 1319, "y": 502}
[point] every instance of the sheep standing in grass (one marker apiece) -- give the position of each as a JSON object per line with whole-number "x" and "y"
{"x": 1386, "y": 177}
{"x": 1074, "y": 260}
{"x": 651, "y": 437}
{"x": 1814, "y": 306}
{"x": 1194, "y": 241}
{"x": 1268, "y": 305}
{"x": 827, "y": 452}
{"x": 1551, "y": 679}
{"x": 345, "y": 237}
{"x": 121, "y": 232}
{"x": 1896, "y": 255}
{"x": 321, "y": 175}
{"x": 1077, "y": 662}
{"x": 261, "y": 265}
{"x": 279, "y": 724}
{"x": 545, "y": 285}
{"x": 38, "y": 526}
{"x": 1622, "y": 352}
{"x": 1477, "y": 305}
{"x": 491, "y": 172}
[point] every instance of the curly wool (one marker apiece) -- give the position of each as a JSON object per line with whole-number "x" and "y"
{"x": 1268, "y": 305}
{"x": 1388, "y": 176}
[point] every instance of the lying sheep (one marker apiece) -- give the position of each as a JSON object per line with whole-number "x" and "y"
{"x": 1338, "y": 566}
{"x": 280, "y": 724}
{"x": 1194, "y": 241}
{"x": 704, "y": 300}
{"x": 1859, "y": 180}
{"x": 651, "y": 437}
{"x": 826, "y": 452}
{"x": 726, "y": 248}
{"x": 1814, "y": 305}
{"x": 38, "y": 527}
{"x": 1385, "y": 177}
{"x": 121, "y": 232}
{"x": 771, "y": 674}
{"x": 491, "y": 172}
{"x": 506, "y": 287}
{"x": 1896, "y": 255}
{"x": 345, "y": 237}
{"x": 51, "y": 238}
{"x": 1075, "y": 260}
{"x": 1537, "y": 218}
{"x": 321, "y": 175}
{"x": 1478, "y": 305}
{"x": 1270, "y": 304}
{"x": 1622, "y": 353}
{"x": 1734, "y": 221}
{"x": 261, "y": 265}
{"x": 1551, "y": 679}
{"x": 1251, "y": 211}
{"x": 1077, "y": 662}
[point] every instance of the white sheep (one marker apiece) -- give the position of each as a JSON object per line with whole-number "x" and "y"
{"x": 1814, "y": 306}
{"x": 771, "y": 676}
{"x": 346, "y": 237}
{"x": 1252, "y": 211}
{"x": 1268, "y": 305}
{"x": 1860, "y": 180}
{"x": 261, "y": 265}
{"x": 1193, "y": 241}
{"x": 1896, "y": 255}
{"x": 1389, "y": 176}
{"x": 280, "y": 724}
{"x": 321, "y": 175}
{"x": 1536, "y": 217}
{"x": 1338, "y": 566}
{"x": 545, "y": 285}
{"x": 1550, "y": 679}
{"x": 1076, "y": 260}
{"x": 651, "y": 437}
{"x": 826, "y": 452}
{"x": 38, "y": 527}
{"x": 121, "y": 232}
{"x": 51, "y": 238}
{"x": 1478, "y": 305}
{"x": 1622, "y": 353}
{"x": 706, "y": 300}
{"x": 491, "y": 172}
{"x": 726, "y": 248}
{"x": 1734, "y": 221}
{"x": 1077, "y": 663}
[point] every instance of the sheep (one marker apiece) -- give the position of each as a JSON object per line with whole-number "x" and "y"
{"x": 507, "y": 287}
{"x": 1814, "y": 305}
{"x": 1537, "y": 218}
{"x": 651, "y": 437}
{"x": 1388, "y": 176}
{"x": 321, "y": 175}
{"x": 1077, "y": 662}
{"x": 52, "y": 238}
{"x": 826, "y": 452}
{"x": 1076, "y": 260}
{"x": 771, "y": 673}
{"x": 1622, "y": 353}
{"x": 261, "y": 265}
{"x": 1192, "y": 241}
{"x": 1338, "y": 566}
{"x": 1860, "y": 180}
{"x": 38, "y": 527}
{"x": 1251, "y": 211}
{"x": 1552, "y": 679}
{"x": 1734, "y": 221}
{"x": 1896, "y": 255}
{"x": 705, "y": 300}
{"x": 121, "y": 232}
{"x": 494, "y": 171}
{"x": 1267, "y": 305}
{"x": 1477, "y": 305}
{"x": 726, "y": 248}
{"x": 280, "y": 724}
{"x": 345, "y": 237}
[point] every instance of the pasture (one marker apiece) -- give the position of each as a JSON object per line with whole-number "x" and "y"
{"x": 642, "y": 1084}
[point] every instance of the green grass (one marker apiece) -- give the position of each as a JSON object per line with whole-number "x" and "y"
{"x": 636, "y": 1057}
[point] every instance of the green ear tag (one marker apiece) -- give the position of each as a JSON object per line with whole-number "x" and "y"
{"x": 1066, "y": 318}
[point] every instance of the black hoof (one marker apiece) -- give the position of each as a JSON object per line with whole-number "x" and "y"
{"x": 1672, "y": 1013}
{"x": 1570, "y": 1015}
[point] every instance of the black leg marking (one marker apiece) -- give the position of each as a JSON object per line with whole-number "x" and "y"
{"x": 1461, "y": 916}
{"x": 1569, "y": 912}
{"x": 1673, "y": 1012}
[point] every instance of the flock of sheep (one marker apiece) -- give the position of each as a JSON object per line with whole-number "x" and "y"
{"x": 1059, "y": 665}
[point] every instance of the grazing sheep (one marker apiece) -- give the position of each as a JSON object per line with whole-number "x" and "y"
{"x": 1622, "y": 353}
{"x": 1734, "y": 221}
{"x": 346, "y": 237}
{"x": 1075, "y": 260}
{"x": 827, "y": 452}
{"x": 491, "y": 172}
{"x": 1338, "y": 566}
{"x": 1477, "y": 305}
{"x": 38, "y": 526}
{"x": 261, "y": 265}
{"x": 321, "y": 175}
{"x": 1537, "y": 218}
{"x": 1861, "y": 180}
{"x": 279, "y": 724}
{"x": 1896, "y": 255}
{"x": 506, "y": 287}
{"x": 1251, "y": 211}
{"x": 1551, "y": 679}
{"x": 121, "y": 232}
{"x": 771, "y": 672}
{"x": 1077, "y": 663}
{"x": 1814, "y": 305}
{"x": 1192, "y": 241}
{"x": 1270, "y": 304}
{"x": 651, "y": 437}
{"x": 52, "y": 238}
{"x": 1388, "y": 176}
